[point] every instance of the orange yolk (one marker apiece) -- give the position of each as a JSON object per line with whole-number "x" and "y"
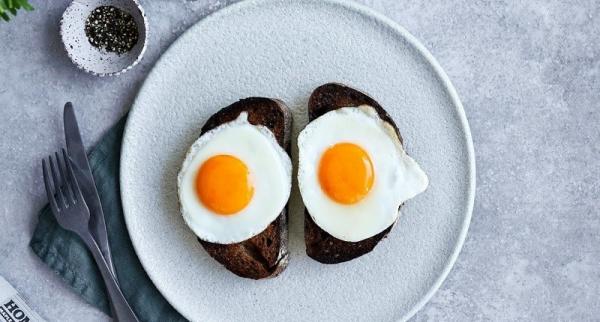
{"x": 346, "y": 173}
{"x": 223, "y": 184}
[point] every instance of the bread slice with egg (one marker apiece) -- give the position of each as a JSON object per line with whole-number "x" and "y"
{"x": 266, "y": 254}
{"x": 320, "y": 245}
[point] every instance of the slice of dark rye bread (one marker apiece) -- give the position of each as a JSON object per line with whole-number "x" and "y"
{"x": 320, "y": 245}
{"x": 266, "y": 254}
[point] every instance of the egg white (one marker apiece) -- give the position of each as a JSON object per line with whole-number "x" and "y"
{"x": 397, "y": 176}
{"x": 270, "y": 170}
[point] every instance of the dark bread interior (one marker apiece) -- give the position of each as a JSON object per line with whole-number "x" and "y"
{"x": 266, "y": 254}
{"x": 320, "y": 245}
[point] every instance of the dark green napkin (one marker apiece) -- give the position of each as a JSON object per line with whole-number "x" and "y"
{"x": 66, "y": 254}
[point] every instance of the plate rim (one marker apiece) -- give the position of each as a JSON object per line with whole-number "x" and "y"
{"x": 412, "y": 41}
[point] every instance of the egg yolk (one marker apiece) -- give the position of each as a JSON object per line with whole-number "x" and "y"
{"x": 223, "y": 184}
{"x": 346, "y": 173}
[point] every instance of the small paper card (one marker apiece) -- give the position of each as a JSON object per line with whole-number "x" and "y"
{"x": 12, "y": 306}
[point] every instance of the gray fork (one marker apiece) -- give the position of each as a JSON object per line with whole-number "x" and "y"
{"x": 71, "y": 212}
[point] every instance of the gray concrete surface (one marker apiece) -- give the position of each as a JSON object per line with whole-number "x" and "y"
{"x": 528, "y": 73}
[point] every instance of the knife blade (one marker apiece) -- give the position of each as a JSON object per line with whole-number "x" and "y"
{"x": 76, "y": 152}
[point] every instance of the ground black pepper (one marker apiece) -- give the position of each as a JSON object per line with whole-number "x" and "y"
{"x": 111, "y": 29}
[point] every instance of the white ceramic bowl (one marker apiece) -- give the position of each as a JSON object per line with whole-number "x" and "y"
{"x": 91, "y": 59}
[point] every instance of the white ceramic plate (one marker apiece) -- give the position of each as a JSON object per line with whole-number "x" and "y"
{"x": 285, "y": 49}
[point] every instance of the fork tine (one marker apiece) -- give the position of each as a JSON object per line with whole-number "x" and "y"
{"x": 75, "y": 184}
{"x": 57, "y": 185}
{"x": 49, "y": 191}
{"x": 68, "y": 189}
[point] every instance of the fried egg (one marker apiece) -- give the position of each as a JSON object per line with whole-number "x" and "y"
{"x": 354, "y": 174}
{"x": 235, "y": 180}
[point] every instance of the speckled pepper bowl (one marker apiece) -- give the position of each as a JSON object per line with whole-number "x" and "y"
{"x": 91, "y": 59}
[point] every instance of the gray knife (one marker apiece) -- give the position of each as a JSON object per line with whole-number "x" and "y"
{"x": 76, "y": 152}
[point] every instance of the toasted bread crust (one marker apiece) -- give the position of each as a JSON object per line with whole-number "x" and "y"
{"x": 332, "y": 96}
{"x": 320, "y": 245}
{"x": 266, "y": 254}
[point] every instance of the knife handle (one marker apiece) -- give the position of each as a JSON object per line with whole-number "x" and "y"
{"x": 121, "y": 311}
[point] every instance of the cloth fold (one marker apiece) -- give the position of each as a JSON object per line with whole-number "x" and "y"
{"x": 66, "y": 254}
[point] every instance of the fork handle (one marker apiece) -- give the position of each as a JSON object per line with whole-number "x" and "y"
{"x": 121, "y": 311}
